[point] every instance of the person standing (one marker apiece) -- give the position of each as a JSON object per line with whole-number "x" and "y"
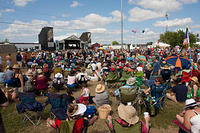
{"x": 19, "y": 59}
{"x": 0, "y": 60}
{"x": 8, "y": 60}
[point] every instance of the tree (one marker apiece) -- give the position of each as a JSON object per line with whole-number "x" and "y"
{"x": 5, "y": 41}
{"x": 115, "y": 43}
{"x": 177, "y": 38}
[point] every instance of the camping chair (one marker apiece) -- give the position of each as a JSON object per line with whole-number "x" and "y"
{"x": 59, "y": 105}
{"x": 182, "y": 128}
{"x": 112, "y": 80}
{"x": 28, "y": 105}
{"x": 155, "y": 103}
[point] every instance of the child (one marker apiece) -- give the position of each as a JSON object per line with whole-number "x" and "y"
{"x": 85, "y": 94}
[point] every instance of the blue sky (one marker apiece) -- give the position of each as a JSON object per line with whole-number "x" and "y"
{"x": 22, "y": 20}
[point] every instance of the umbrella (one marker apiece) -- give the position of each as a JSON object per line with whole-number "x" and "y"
{"x": 141, "y": 57}
{"x": 178, "y": 61}
{"x": 101, "y": 48}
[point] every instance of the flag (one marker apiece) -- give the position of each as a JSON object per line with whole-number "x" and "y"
{"x": 186, "y": 40}
{"x": 134, "y": 31}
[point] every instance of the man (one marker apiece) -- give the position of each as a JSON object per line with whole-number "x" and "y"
{"x": 8, "y": 60}
{"x": 19, "y": 59}
{"x": 179, "y": 92}
{"x": 156, "y": 68}
{"x": 3, "y": 103}
{"x": 0, "y": 60}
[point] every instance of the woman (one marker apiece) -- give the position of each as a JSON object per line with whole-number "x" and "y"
{"x": 158, "y": 91}
{"x": 71, "y": 80}
{"x": 40, "y": 82}
{"x": 148, "y": 71}
{"x": 194, "y": 88}
{"x": 75, "y": 123}
{"x": 18, "y": 83}
{"x": 190, "y": 117}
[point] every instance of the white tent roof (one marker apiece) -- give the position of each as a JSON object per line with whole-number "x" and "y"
{"x": 160, "y": 44}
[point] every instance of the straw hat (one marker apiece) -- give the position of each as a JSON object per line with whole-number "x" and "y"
{"x": 131, "y": 81}
{"x": 104, "y": 111}
{"x": 100, "y": 88}
{"x": 39, "y": 71}
{"x": 128, "y": 113}
{"x": 195, "y": 79}
{"x": 29, "y": 73}
{"x": 190, "y": 103}
{"x": 16, "y": 66}
{"x": 166, "y": 67}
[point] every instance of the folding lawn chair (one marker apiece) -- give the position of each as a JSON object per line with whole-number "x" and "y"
{"x": 59, "y": 105}
{"x": 31, "y": 108}
{"x": 182, "y": 128}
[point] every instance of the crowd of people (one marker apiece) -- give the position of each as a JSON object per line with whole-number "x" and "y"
{"x": 134, "y": 74}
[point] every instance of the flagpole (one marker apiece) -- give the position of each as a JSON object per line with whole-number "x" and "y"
{"x": 121, "y": 24}
{"x": 189, "y": 48}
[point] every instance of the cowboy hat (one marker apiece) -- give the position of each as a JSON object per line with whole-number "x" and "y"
{"x": 195, "y": 79}
{"x": 190, "y": 103}
{"x": 81, "y": 109}
{"x": 100, "y": 88}
{"x": 131, "y": 81}
{"x": 58, "y": 75}
{"x": 16, "y": 66}
{"x": 29, "y": 73}
{"x": 128, "y": 113}
{"x": 39, "y": 71}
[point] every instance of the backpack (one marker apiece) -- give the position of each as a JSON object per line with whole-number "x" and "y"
{"x": 128, "y": 94}
{"x": 79, "y": 126}
{"x": 90, "y": 111}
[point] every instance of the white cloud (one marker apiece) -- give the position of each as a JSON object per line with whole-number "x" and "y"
{"x": 131, "y": 2}
{"x": 75, "y": 4}
{"x": 21, "y": 2}
{"x": 195, "y": 26}
{"x": 117, "y": 16}
{"x": 97, "y": 30}
{"x": 189, "y": 1}
{"x": 160, "y": 5}
{"x": 173, "y": 23}
{"x": 138, "y": 14}
{"x": 59, "y": 23}
{"x": 91, "y": 21}
{"x": 6, "y": 11}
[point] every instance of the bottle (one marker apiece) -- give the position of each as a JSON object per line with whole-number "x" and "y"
{"x": 6, "y": 86}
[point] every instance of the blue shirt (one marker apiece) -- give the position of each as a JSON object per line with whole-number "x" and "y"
{"x": 156, "y": 67}
{"x": 157, "y": 90}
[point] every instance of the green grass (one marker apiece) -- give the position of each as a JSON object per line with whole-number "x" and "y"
{"x": 13, "y": 120}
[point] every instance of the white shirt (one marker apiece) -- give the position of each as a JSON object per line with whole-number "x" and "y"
{"x": 93, "y": 66}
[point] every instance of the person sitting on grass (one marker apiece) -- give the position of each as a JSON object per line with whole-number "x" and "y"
{"x": 179, "y": 92}
{"x": 190, "y": 117}
{"x": 75, "y": 123}
{"x": 85, "y": 94}
{"x": 128, "y": 118}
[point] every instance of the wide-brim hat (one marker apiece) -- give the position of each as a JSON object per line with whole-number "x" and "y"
{"x": 29, "y": 73}
{"x": 128, "y": 113}
{"x": 195, "y": 79}
{"x": 81, "y": 109}
{"x": 16, "y": 66}
{"x": 58, "y": 75}
{"x": 131, "y": 81}
{"x": 100, "y": 88}
{"x": 39, "y": 71}
{"x": 166, "y": 67}
{"x": 190, "y": 103}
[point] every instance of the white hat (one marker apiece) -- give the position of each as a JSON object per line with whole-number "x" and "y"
{"x": 58, "y": 75}
{"x": 140, "y": 69}
{"x": 81, "y": 109}
{"x": 190, "y": 103}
